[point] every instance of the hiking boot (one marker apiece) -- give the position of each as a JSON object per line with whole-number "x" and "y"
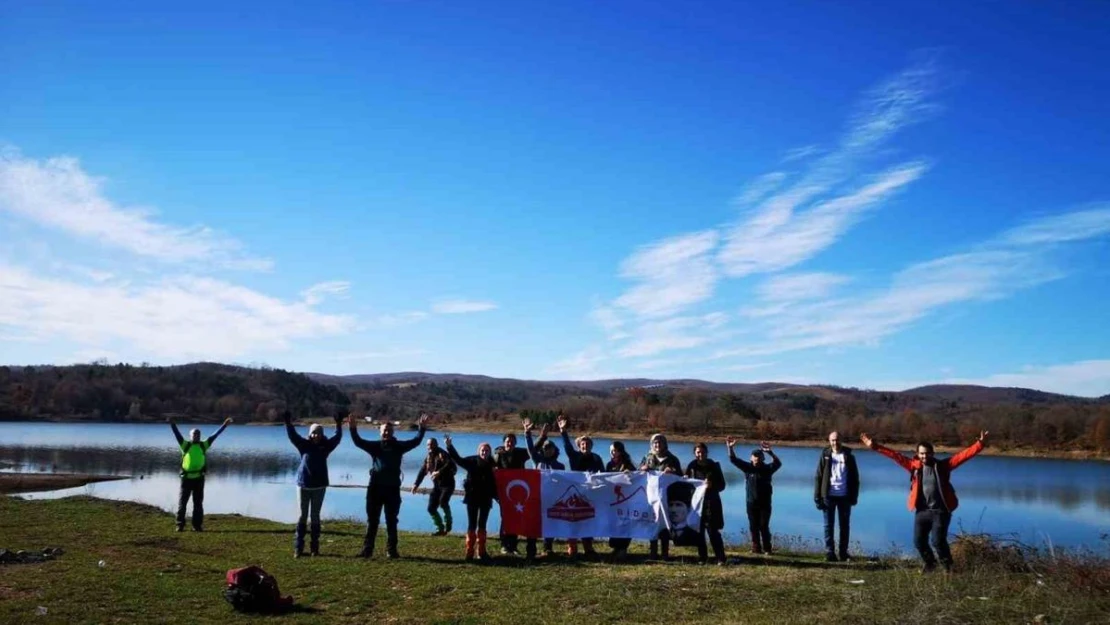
{"x": 297, "y": 555}
{"x": 845, "y": 557}
{"x": 548, "y": 553}
{"x": 928, "y": 567}
{"x": 315, "y": 553}
{"x": 392, "y": 554}
{"x": 506, "y": 552}
{"x": 830, "y": 557}
{"x": 180, "y": 528}
{"x": 365, "y": 553}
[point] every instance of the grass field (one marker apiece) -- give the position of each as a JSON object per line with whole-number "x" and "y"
{"x": 153, "y": 575}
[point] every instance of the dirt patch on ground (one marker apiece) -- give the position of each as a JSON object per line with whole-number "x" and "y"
{"x": 33, "y": 482}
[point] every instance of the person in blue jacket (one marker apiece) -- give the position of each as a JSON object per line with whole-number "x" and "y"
{"x": 312, "y": 477}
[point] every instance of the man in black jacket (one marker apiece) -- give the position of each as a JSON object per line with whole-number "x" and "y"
{"x": 384, "y": 491}
{"x": 441, "y": 468}
{"x": 835, "y": 491}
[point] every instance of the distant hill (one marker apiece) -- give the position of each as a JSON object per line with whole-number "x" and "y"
{"x": 203, "y": 391}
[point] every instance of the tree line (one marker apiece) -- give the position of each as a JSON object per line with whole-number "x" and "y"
{"x": 208, "y": 391}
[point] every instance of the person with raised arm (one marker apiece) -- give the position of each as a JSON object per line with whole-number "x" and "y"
{"x": 659, "y": 458}
{"x": 384, "y": 490}
{"x": 619, "y": 461}
{"x": 932, "y": 498}
{"x": 712, "y": 511}
{"x": 479, "y": 493}
{"x": 194, "y": 464}
{"x": 312, "y": 478}
{"x": 580, "y": 457}
{"x": 441, "y": 468}
{"x": 509, "y": 456}
{"x": 545, "y": 455}
{"x": 757, "y": 483}
{"x": 835, "y": 493}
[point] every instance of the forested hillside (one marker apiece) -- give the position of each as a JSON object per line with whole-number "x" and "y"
{"x": 206, "y": 391}
{"x": 102, "y": 392}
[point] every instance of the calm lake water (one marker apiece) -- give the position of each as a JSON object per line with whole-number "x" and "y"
{"x": 252, "y": 471}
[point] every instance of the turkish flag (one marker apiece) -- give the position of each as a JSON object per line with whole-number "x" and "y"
{"x": 519, "y": 493}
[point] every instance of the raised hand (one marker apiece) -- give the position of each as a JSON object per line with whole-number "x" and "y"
{"x": 983, "y": 436}
{"x": 352, "y": 422}
{"x": 765, "y": 446}
{"x": 447, "y": 439}
{"x": 423, "y": 420}
{"x": 561, "y": 422}
{"x": 867, "y": 440}
{"x": 545, "y": 429}
{"x": 228, "y": 421}
{"x": 287, "y": 416}
{"x": 731, "y": 442}
{"x": 527, "y": 423}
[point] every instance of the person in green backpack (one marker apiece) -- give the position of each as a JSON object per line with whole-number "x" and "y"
{"x": 193, "y": 466}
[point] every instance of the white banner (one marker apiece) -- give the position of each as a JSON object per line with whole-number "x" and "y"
{"x": 619, "y": 505}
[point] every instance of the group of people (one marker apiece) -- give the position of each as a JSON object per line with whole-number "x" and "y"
{"x": 932, "y": 498}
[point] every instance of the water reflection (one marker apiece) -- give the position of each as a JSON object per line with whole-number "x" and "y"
{"x": 252, "y": 471}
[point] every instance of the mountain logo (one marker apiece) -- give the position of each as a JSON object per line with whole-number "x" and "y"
{"x": 572, "y": 506}
{"x": 618, "y": 492}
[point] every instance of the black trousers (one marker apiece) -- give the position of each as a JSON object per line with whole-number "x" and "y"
{"x": 932, "y": 526}
{"x": 476, "y": 516}
{"x": 191, "y": 487}
{"x": 838, "y": 510}
{"x": 379, "y": 498}
{"x": 440, "y": 496}
{"x": 759, "y": 525}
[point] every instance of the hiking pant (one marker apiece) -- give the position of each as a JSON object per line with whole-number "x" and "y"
{"x": 439, "y": 496}
{"x": 932, "y": 524}
{"x": 310, "y": 501}
{"x": 380, "y": 498}
{"x": 716, "y": 541}
{"x": 759, "y": 525}
{"x": 191, "y": 487}
{"x": 620, "y": 543}
{"x": 840, "y": 510}
{"x": 476, "y": 516}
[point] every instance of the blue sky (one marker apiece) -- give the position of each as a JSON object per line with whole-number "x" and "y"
{"x": 870, "y": 195}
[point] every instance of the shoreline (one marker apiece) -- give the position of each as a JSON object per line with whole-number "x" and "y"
{"x": 14, "y": 482}
{"x": 502, "y": 426}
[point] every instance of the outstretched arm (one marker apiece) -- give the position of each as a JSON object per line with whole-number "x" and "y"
{"x": 370, "y": 447}
{"x": 212, "y": 439}
{"x": 176, "y": 432}
{"x": 776, "y": 464}
{"x": 466, "y": 463}
{"x": 334, "y": 441}
{"x": 408, "y": 445}
{"x": 532, "y": 453}
{"x": 969, "y": 453}
{"x": 903, "y": 461}
{"x": 294, "y": 438}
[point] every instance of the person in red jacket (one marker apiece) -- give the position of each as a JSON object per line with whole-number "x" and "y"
{"x": 932, "y": 498}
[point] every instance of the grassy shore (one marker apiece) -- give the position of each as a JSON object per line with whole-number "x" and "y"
{"x": 152, "y": 574}
{"x": 18, "y": 482}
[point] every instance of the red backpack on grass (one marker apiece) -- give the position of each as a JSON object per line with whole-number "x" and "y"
{"x": 250, "y": 589}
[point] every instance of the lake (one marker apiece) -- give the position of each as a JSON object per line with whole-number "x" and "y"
{"x": 252, "y": 471}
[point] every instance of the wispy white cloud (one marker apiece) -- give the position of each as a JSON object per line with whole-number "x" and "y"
{"x": 775, "y": 238}
{"x": 800, "y": 286}
{"x": 461, "y": 306}
{"x": 181, "y": 318}
{"x": 654, "y": 337}
{"x": 671, "y": 275}
{"x": 750, "y": 366}
{"x": 1003, "y": 265}
{"x": 800, "y": 153}
{"x": 583, "y": 365}
{"x": 57, "y": 193}
{"x": 760, "y": 188}
{"x": 1087, "y": 378}
{"x": 318, "y": 292}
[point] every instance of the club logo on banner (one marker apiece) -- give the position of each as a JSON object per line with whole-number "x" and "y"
{"x": 572, "y": 507}
{"x": 571, "y": 504}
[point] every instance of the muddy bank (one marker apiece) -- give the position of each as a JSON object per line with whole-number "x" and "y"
{"x": 35, "y": 482}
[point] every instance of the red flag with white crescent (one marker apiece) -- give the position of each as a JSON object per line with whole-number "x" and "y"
{"x": 519, "y": 493}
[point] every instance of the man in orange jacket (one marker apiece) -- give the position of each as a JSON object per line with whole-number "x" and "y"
{"x": 932, "y": 498}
